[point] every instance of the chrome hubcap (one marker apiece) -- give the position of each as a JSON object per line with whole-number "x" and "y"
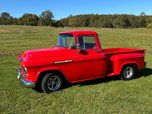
{"x": 53, "y": 83}
{"x": 128, "y": 72}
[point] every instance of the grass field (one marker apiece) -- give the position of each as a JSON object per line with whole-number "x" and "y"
{"x": 95, "y": 97}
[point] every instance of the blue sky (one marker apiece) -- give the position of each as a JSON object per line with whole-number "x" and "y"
{"x": 63, "y": 8}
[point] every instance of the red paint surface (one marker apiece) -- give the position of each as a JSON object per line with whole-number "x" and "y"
{"x": 94, "y": 63}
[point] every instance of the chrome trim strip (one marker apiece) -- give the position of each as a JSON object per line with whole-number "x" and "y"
{"x": 65, "y": 61}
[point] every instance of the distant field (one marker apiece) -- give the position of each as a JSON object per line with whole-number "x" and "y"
{"x": 95, "y": 97}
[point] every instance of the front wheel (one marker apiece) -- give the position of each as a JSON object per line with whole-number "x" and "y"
{"x": 128, "y": 72}
{"x": 51, "y": 82}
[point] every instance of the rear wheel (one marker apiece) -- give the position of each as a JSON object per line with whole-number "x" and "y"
{"x": 128, "y": 72}
{"x": 51, "y": 82}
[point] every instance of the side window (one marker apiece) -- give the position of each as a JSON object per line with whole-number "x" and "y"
{"x": 65, "y": 40}
{"x": 87, "y": 42}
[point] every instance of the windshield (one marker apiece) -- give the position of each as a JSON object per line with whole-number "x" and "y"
{"x": 65, "y": 40}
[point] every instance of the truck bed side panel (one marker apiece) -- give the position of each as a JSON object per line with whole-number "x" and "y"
{"x": 112, "y": 51}
{"x": 120, "y": 60}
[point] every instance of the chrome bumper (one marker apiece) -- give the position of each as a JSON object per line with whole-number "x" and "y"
{"x": 24, "y": 81}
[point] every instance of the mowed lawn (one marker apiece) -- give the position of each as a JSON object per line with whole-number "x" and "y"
{"x": 100, "y": 96}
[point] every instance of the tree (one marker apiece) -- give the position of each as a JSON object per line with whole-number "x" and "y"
{"x": 134, "y": 21}
{"x": 5, "y": 15}
{"x": 116, "y": 23}
{"x": 142, "y": 14}
{"x": 14, "y": 21}
{"x": 29, "y": 19}
{"x": 72, "y": 21}
{"x": 5, "y": 18}
{"x": 125, "y": 22}
{"x": 57, "y": 24}
{"x": 46, "y": 18}
{"x": 142, "y": 22}
{"x": 122, "y": 21}
{"x": 64, "y": 22}
{"x": 105, "y": 22}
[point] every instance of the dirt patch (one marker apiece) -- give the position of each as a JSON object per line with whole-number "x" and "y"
{"x": 4, "y": 31}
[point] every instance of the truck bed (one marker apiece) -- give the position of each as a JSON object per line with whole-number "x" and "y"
{"x": 119, "y": 52}
{"x": 112, "y": 51}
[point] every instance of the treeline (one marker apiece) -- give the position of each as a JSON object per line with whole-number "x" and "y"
{"x": 46, "y": 18}
{"x": 108, "y": 21}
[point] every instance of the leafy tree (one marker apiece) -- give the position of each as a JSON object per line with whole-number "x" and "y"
{"x": 46, "y": 18}
{"x": 57, "y": 24}
{"x": 105, "y": 23}
{"x": 29, "y": 19}
{"x": 14, "y": 21}
{"x": 5, "y": 18}
{"x": 64, "y": 22}
{"x": 116, "y": 22}
{"x": 142, "y": 22}
{"x": 5, "y": 15}
{"x": 142, "y": 14}
{"x": 134, "y": 21}
{"x": 124, "y": 22}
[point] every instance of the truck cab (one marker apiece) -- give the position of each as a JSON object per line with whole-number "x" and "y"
{"x": 77, "y": 57}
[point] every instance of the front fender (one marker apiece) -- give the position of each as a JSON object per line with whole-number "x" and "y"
{"x": 50, "y": 69}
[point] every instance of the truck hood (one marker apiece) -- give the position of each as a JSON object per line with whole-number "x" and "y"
{"x": 45, "y": 53}
{"x": 45, "y": 56}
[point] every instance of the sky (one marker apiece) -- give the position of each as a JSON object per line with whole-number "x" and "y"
{"x": 64, "y": 8}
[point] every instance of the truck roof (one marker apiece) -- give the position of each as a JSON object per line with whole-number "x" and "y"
{"x": 78, "y": 32}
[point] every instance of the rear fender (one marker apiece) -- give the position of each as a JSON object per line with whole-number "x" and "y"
{"x": 129, "y": 63}
{"x": 120, "y": 60}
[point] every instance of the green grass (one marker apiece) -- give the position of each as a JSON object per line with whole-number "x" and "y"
{"x": 114, "y": 96}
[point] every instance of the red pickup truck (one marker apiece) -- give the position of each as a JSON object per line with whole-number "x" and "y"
{"x": 77, "y": 57}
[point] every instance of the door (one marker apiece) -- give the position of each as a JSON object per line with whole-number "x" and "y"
{"x": 91, "y": 62}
